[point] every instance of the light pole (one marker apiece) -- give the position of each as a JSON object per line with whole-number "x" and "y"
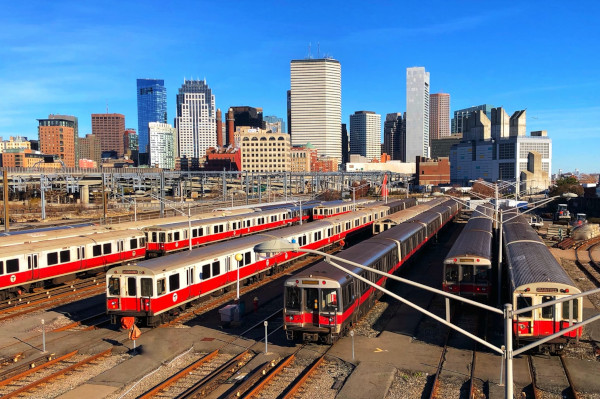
{"x": 238, "y": 257}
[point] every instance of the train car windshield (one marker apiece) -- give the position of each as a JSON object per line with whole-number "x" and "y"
{"x": 565, "y": 309}
{"x": 482, "y": 274}
{"x": 114, "y": 286}
{"x": 452, "y": 273}
{"x": 524, "y": 302}
{"x": 467, "y": 274}
{"x": 292, "y": 298}
{"x": 329, "y": 300}
{"x": 146, "y": 285}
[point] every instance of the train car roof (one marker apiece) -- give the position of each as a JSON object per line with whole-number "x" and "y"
{"x": 474, "y": 240}
{"x": 44, "y": 229}
{"x": 64, "y": 243}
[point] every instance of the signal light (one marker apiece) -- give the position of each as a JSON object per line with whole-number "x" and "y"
{"x": 527, "y": 290}
{"x": 323, "y": 282}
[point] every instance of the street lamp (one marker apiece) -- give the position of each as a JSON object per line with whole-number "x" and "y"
{"x": 238, "y": 257}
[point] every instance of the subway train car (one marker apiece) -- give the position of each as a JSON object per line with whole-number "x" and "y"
{"x": 535, "y": 277}
{"x": 32, "y": 265}
{"x": 157, "y": 289}
{"x": 322, "y": 302}
{"x": 468, "y": 264}
{"x": 334, "y": 208}
{"x": 398, "y": 217}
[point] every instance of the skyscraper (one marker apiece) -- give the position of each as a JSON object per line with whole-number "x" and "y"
{"x": 365, "y": 134}
{"x": 75, "y": 128}
{"x": 316, "y": 105}
{"x": 89, "y": 148}
{"x": 345, "y": 145}
{"x": 162, "y": 145}
{"x": 196, "y": 119}
{"x": 417, "y": 113}
{"x": 394, "y": 136}
{"x": 109, "y": 130}
{"x": 57, "y": 137}
{"x": 152, "y": 107}
{"x": 439, "y": 116}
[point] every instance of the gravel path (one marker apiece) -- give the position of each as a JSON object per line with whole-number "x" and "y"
{"x": 408, "y": 385}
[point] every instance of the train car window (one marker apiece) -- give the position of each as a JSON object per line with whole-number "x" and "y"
{"x": 247, "y": 258}
{"x": 1, "y": 267}
{"x": 142, "y": 241}
{"x": 169, "y": 237}
{"x": 451, "y": 273}
{"x": 356, "y": 222}
{"x": 133, "y": 244}
{"x": 467, "y": 273}
{"x": 201, "y": 232}
{"x": 312, "y": 298}
{"x": 177, "y": 236}
{"x": 548, "y": 311}
{"x": 329, "y": 299}
{"x": 114, "y": 286}
{"x": 194, "y": 233}
{"x": 565, "y": 309}
{"x": 482, "y": 274}
{"x": 52, "y": 258}
{"x": 161, "y": 237}
{"x": 273, "y": 218}
{"x": 146, "y": 286}
{"x": 216, "y": 268}
{"x": 524, "y": 302}
{"x": 96, "y": 250}
{"x": 12, "y": 266}
{"x": 233, "y": 226}
{"x": 329, "y": 232}
{"x": 173, "y": 282}
{"x": 161, "y": 286}
{"x": 65, "y": 256}
{"x": 131, "y": 286}
{"x": 106, "y": 248}
{"x": 154, "y": 236}
{"x": 205, "y": 272}
{"x": 292, "y": 298}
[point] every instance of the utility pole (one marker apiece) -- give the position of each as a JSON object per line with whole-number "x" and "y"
{"x": 5, "y": 186}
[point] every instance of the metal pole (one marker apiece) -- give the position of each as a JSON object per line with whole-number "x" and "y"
{"x": 499, "y": 285}
{"x": 238, "y": 281}
{"x": 135, "y": 209}
{"x": 5, "y": 186}
{"x": 448, "y": 309}
{"x": 508, "y": 389}
{"x": 352, "y": 335}
{"x": 43, "y": 195}
{"x": 266, "y": 335}
{"x": 190, "y": 227}
{"x": 496, "y": 219}
{"x": 43, "y": 336}
{"x": 301, "y": 213}
{"x": 162, "y": 194}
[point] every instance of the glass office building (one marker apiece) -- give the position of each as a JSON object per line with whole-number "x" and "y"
{"x": 152, "y": 107}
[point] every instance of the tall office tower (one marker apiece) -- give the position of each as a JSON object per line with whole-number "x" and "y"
{"x": 289, "y": 112}
{"x": 89, "y": 148}
{"x": 345, "y": 145}
{"x": 195, "y": 121}
{"x": 439, "y": 116}
{"x": 462, "y": 114}
{"x": 130, "y": 140}
{"x": 151, "y": 107}
{"x": 247, "y": 116}
{"x": 316, "y": 105}
{"x": 365, "y": 134}
{"x": 109, "y": 129}
{"x": 57, "y": 137}
{"x": 417, "y": 113}
{"x": 500, "y": 123}
{"x": 393, "y": 138}
{"x": 76, "y": 130}
{"x": 162, "y": 145}
{"x": 274, "y": 124}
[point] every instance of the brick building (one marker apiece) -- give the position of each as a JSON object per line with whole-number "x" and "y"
{"x": 110, "y": 129}
{"x": 57, "y": 137}
{"x": 432, "y": 171}
{"x": 219, "y": 159}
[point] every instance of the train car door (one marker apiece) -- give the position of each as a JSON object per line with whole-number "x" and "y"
{"x": 33, "y": 265}
{"x": 120, "y": 250}
{"x": 524, "y": 320}
{"x": 132, "y": 292}
{"x": 312, "y": 303}
{"x": 190, "y": 280}
{"x": 547, "y": 321}
{"x": 81, "y": 256}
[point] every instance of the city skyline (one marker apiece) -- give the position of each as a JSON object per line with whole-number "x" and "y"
{"x": 57, "y": 67}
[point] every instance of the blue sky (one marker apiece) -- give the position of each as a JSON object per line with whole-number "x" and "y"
{"x": 74, "y": 57}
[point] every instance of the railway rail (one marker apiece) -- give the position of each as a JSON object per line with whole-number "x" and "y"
{"x": 560, "y": 382}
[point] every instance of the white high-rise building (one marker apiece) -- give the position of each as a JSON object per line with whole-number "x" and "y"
{"x": 196, "y": 120}
{"x": 417, "y": 113}
{"x": 316, "y": 105}
{"x": 365, "y": 134}
{"x": 161, "y": 145}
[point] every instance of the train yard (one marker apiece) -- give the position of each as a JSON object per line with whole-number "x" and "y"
{"x": 394, "y": 351}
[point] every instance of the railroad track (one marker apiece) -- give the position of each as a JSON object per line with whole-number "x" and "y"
{"x": 590, "y": 268}
{"x": 28, "y": 380}
{"x": 561, "y": 381}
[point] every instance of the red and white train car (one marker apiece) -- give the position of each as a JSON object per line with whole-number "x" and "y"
{"x": 54, "y": 261}
{"x": 535, "y": 278}
{"x": 334, "y": 208}
{"x": 157, "y": 289}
